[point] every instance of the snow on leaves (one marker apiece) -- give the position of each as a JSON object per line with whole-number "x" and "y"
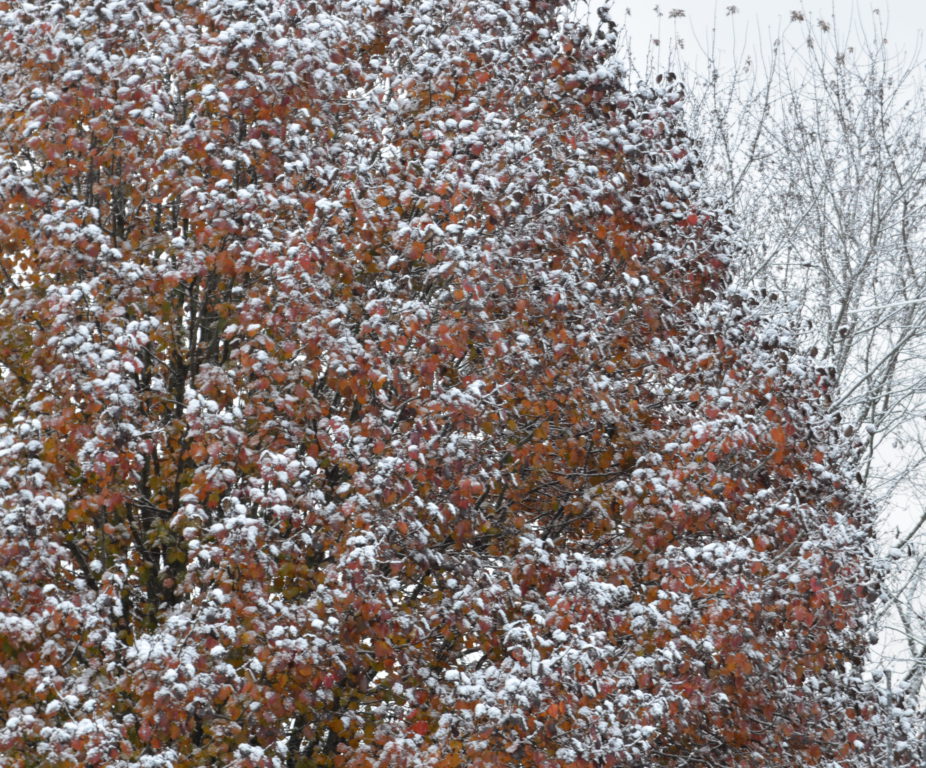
{"x": 371, "y": 397}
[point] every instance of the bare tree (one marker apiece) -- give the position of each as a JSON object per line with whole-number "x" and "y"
{"x": 816, "y": 145}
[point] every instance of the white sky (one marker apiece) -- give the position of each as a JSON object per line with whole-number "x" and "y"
{"x": 755, "y": 21}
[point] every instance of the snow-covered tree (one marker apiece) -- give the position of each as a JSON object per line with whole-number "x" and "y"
{"x": 816, "y": 144}
{"x": 372, "y": 395}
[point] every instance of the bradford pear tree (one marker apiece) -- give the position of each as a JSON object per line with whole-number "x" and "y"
{"x": 815, "y": 144}
{"x": 371, "y": 395}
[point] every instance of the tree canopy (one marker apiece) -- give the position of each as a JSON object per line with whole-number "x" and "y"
{"x": 372, "y": 395}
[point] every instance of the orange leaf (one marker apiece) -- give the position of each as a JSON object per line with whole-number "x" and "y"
{"x": 778, "y": 436}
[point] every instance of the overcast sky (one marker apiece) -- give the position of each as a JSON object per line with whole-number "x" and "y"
{"x": 903, "y": 21}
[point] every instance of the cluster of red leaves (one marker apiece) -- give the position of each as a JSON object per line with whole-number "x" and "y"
{"x": 370, "y": 397}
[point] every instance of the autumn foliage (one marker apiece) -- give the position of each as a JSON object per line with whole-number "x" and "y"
{"x": 370, "y": 395}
